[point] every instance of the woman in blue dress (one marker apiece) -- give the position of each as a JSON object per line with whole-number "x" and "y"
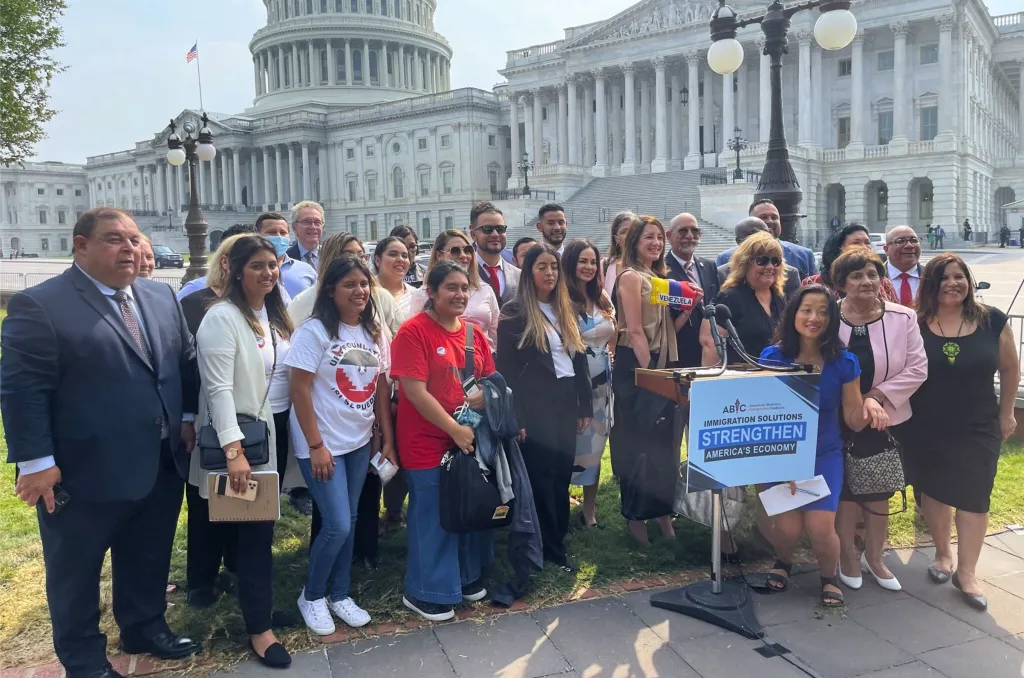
{"x": 808, "y": 334}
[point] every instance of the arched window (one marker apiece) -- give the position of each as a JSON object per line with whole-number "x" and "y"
{"x": 340, "y": 55}
{"x": 383, "y": 7}
{"x": 418, "y": 14}
{"x": 399, "y": 183}
{"x": 408, "y": 10}
{"x": 357, "y": 65}
{"x": 372, "y": 58}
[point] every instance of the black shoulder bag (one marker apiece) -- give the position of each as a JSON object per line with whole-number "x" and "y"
{"x": 255, "y": 433}
{"x": 469, "y": 499}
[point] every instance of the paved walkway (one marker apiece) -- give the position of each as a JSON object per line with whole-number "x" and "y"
{"x": 926, "y": 631}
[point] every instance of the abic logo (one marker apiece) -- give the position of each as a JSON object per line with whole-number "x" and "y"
{"x": 734, "y": 408}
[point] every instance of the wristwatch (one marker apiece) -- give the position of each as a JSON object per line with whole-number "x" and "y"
{"x": 232, "y": 453}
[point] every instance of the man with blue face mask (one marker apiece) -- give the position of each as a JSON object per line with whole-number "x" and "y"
{"x": 295, "y": 275}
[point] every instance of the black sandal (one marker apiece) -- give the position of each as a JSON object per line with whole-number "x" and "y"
{"x": 831, "y": 598}
{"x": 777, "y": 582}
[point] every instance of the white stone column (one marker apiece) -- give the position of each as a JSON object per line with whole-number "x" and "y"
{"x": 295, "y": 65}
{"x": 256, "y": 73}
{"x": 400, "y": 67}
{"x": 857, "y": 96}
{"x": 180, "y": 174}
{"x": 728, "y": 117}
{"x": 764, "y": 93}
{"x": 280, "y": 67}
{"x": 806, "y": 121}
{"x": 527, "y": 100}
{"x": 692, "y": 160}
{"x": 226, "y": 179}
{"x": 307, "y": 193}
{"x": 947, "y": 110}
{"x": 253, "y": 195}
{"x": 601, "y": 167}
{"x": 572, "y": 101}
{"x": 1020, "y": 110}
{"x": 265, "y": 73}
{"x": 279, "y": 175}
{"x": 538, "y": 127}
{"x": 616, "y": 121}
{"x": 236, "y": 166}
{"x": 326, "y": 183}
{"x": 293, "y": 188}
{"x": 563, "y": 126}
{"x": 629, "y": 164}
{"x": 151, "y": 172}
{"x": 161, "y": 187}
{"x": 214, "y": 197}
{"x": 676, "y": 156}
{"x": 332, "y": 64}
{"x": 818, "y": 115}
{"x": 708, "y": 104}
{"x": 646, "y": 141}
{"x": 513, "y": 126}
{"x": 742, "y": 98}
{"x": 660, "y": 163}
{"x": 267, "y": 196}
{"x": 900, "y": 105}
{"x": 348, "y": 62}
{"x": 588, "y": 124}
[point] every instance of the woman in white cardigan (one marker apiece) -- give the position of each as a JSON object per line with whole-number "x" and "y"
{"x": 238, "y": 343}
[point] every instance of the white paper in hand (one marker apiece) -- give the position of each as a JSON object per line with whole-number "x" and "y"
{"x": 779, "y": 498}
{"x": 385, "y": 469}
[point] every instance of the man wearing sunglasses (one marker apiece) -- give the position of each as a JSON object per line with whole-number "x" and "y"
{"x": 683, "y": 264}
{"x": 487, "y": 228}
{"x": 308, "y": 224}
{"x": 903, "y": 265}
{"x": 796, "y": 255}
{"x": 744, "y": 229}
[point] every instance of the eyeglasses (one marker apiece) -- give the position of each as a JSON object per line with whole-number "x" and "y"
{"x": 900, "y": 242}
{"x": 312, "y": 223}
{"x": 689, "y": 229}
{"x": 491, "y": 229}
{"x": 456, "y": 251}
{"x": 764, "y": 260}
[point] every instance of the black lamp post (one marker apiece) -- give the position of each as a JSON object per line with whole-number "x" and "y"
{"x": 834, "y": 29}
{"x": 525, "y": 165}
{"x": 738, "y": 144}
{"x": 193, "y": 149}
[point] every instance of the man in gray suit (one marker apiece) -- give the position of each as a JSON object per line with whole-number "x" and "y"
{"x": 746, "y": 228}
{"x": 487, "y": 228}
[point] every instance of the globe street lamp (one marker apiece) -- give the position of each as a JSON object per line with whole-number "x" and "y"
{"x": 193, "y": 149}
{"x": 738, "y": 144}
{"x": 525, "y": 165}
{"x": 834, "y": 29}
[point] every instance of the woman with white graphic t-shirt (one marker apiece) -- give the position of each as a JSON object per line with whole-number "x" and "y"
{"x": 339, "y": 390}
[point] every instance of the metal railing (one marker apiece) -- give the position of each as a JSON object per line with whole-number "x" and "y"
{"x": 518, "y": 194}
{"x": 724, "y": 176}
{"x": 11, "y": 282}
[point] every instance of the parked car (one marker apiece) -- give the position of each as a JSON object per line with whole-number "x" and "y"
{"x": 167, "y": 258}
{"x": 878, "y": 244}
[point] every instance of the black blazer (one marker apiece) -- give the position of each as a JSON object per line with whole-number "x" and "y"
{"x": 528, "y": 370}
{"x": 75, "y": 385}
{"x": 293, "y": 251}
{"x": 789, "y": 288}
{"x": 688, "y": 336}
{"x": 194, "y": 306}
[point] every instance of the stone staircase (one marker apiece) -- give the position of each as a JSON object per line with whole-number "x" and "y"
{"x": 664, "y": 195}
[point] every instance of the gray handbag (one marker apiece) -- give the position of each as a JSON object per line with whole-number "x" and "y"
{"x": 879, "y": 471}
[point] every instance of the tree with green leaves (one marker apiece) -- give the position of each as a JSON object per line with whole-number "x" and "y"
{"x": 29, "y": 33}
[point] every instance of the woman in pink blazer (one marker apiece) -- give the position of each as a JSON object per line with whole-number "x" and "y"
{"x": 886, "y": 339}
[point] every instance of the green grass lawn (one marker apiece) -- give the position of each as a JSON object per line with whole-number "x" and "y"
{"x": 602, "y": 555}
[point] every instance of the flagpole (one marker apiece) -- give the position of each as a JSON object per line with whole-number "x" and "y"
{"x": 199, "y": 76}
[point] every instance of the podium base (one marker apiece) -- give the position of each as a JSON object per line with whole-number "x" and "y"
{"x": 731, "y": 609}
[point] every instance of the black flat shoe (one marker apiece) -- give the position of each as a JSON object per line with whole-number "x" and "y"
{"x": 938, "y": 576}
{"x": 276, "y": 657}
{"x": 106, "y": 672}
{"x": 978, "y": 602}
{"x": 200, "y": 599}
{"x": 164, "y": 645}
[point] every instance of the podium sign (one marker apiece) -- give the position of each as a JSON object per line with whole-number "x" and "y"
{"x": 750, "y": 428}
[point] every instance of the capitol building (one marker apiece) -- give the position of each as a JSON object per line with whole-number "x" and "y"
{"x": 920, "y": 120}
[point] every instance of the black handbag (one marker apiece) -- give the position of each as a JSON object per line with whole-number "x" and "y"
{"x": 469, "y": 499}
{"x": 874, "y": 465}
{"x": 255, "y": 434}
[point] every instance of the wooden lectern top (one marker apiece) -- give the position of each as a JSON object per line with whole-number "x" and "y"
{"x": 674, "y": 384}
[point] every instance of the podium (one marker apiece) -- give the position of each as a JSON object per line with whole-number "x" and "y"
{"x": 747, "y": 431}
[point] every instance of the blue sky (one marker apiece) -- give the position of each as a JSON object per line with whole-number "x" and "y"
{"x": 127, "y": 74}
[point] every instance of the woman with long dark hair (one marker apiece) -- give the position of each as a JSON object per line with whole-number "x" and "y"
{"x": 443, "y": 568}
{"x": 620, "y": 225}
{"x": 808, "y": 334}
{"x": 339, "y": 393}
{"x": 581, "y": 264}
{"x": 239, "y": 344}
{"x": 392, "y": 261}
{"x": 544, "y": 361}
{"x": 417, "y": 273}
{"x": 952, "y": 442}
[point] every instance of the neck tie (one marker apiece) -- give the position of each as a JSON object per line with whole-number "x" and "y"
{"x": 132, "y": 323}
{"x": 493, "y": 280}
{"x": 906, "y": 295}
{"x": 689, "y": 271}
{"x": 309, "y": 258}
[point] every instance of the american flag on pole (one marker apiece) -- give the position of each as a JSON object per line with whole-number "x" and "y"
{"x": 192, "y": 53}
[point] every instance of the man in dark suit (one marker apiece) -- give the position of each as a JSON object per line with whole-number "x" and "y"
{"x": 308, "y": 226}
{"x": 746, "y": 228}
{"x": 487, "y": 228}
{"x": 91, "y": 395}
{"x": 684, "y": 237}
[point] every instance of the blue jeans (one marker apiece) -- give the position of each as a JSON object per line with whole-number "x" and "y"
{"x": 330, "y": 557}
{"x": 440, "y": 562}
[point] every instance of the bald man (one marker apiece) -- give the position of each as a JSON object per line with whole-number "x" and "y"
{"x": 903, "y": 265}
{"x": 683, "y": 264}
{"x": 745, "y": 228}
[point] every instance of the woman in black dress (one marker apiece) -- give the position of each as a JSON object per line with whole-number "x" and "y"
{"x": 952, "y": 458}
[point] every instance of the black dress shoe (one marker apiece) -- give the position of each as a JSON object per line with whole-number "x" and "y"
{"x": 368, "y": 563}
{"x": 200, "y": 599}
{"x": 106, "y": 672}
{"x": 276, "y": 657}
{"x": 302, "y": 501}
{"x": 164, "y": 645}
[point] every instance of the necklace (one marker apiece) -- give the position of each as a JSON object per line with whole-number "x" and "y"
{"x": 856, "y": 330}
{"x": 951, "y": 349}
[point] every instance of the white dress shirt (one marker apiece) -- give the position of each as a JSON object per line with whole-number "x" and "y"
{"x": 913, "y": 277}
{"x": 485, "y": 273}
{"x": 688, "y": 266}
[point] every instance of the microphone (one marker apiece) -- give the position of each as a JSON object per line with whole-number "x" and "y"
{"x": 725, "y": 315}
{"x": 709, "y": 313}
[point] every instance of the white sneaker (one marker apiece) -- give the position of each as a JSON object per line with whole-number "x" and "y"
{"x": 347, "y": 611}
{"x": 316, "y": 615}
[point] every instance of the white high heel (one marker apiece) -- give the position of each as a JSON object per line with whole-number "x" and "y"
{"x": 850, "y": 582}
{"x": 887, "y": 584}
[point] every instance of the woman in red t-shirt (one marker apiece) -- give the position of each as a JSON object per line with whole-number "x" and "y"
{"x": 429, "y": 353}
